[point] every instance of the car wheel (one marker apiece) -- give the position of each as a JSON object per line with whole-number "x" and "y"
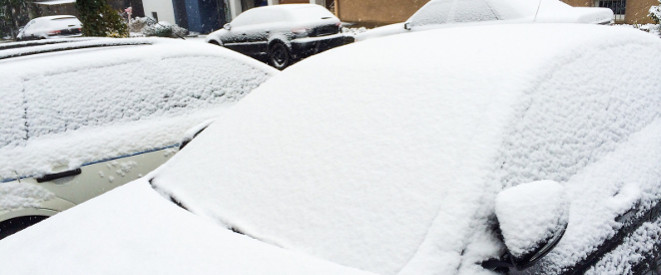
{"x": 14, "y": 225}
{"x": 279, "y": 56}
{"x": 214, "y": 42}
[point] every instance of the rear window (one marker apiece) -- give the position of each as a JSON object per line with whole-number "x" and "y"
{"x": 64, "y": 22}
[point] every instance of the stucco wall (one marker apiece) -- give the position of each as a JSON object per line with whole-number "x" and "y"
{"x": 163, "y": 8}
{"x": 637, "y": 11}
{"x": 376, "y": 12}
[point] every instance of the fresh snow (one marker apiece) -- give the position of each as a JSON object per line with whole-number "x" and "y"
{"x": 387, "y": 156}
{"x": 108, "y": 102}
{"x": 529, "y": 213}
{"x": 391, "y": 162}
{"x": 14, "y": 195}
{"x": 133, "y": 230}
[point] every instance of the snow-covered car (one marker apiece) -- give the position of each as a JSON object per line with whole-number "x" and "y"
{"x": 80, "y": 118}
{"x": 46, "y": 27}
{"x": 452, "y": 13}
{"x": 281, "y": 34}
{"x": 540, "y": 150}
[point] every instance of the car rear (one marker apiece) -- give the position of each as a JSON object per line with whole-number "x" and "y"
{"x": 64, "y": 26}
{"x": 315, "y": 30}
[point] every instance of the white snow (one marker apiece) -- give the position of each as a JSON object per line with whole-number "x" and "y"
{"x": 80, "y": 106}
{"x": 453, "y": 13}
{"x": 529, "y": 213}
{"x": 387, "y": 156}
{"x": 15, "y": 195}
{"x": 133, "y": 230}
{"x": 391, "y": 162}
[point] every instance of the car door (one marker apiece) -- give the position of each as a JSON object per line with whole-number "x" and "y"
{"x": 249, "y": 32}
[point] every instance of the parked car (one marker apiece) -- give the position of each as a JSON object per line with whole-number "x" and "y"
{"x": 451, "y": 13}
{"x": 80, "y": 118}
{"x": 537, "y": 153}
{"x": 47, "y": 27}
{"x": 281, "y": 34}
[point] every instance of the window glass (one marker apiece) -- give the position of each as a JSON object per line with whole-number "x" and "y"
{"x": 131, "y": 91}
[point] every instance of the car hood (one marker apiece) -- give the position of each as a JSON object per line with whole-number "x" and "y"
{"x": 134, "y": 230}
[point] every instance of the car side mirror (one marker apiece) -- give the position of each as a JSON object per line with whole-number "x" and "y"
{"x": 227, "y": 26}
{"x": 407, "y": 26}
{"x": 532, "y": 218}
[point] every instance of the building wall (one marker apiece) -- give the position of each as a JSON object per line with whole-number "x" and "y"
{"x": 163, "y": 8}
{"x": 637, "y": 11}
{"x": 373, "y": 13}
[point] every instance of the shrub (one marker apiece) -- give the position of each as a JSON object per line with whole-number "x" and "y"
{"x": 99, "y": 19}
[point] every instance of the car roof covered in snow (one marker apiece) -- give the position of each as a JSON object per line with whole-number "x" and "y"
{"x": 52, "y": 90}
{"x": 451, "y": 13}
{"x": 386, "y": 155}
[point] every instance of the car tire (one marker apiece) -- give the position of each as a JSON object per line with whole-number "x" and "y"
{"x": 279, "y": 56}
{"x": 214, "y": 42}
{"x": 14, "y": 225}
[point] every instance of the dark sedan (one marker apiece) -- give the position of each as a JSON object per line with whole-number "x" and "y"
{"x": 281, "y": 34}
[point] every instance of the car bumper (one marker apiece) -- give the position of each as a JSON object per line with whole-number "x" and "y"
{"x": 304, "y": 47}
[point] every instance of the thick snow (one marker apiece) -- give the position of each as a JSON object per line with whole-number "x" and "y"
{"x": 391, "y": 162}
{"x": 449, "y": 13}
{"x": 86, "y": 105}
{"x": 630, "y": 175}
{"x": 530, "y": 213}
{"x": 133, "y": 230}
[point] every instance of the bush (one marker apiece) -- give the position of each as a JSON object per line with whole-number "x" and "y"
{"x": 655, "y": 13}
{"x": 149, "y": 27}
{"x": 99, "y": 19}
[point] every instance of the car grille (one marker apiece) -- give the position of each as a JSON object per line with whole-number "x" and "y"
{"x": 325, "y": 30}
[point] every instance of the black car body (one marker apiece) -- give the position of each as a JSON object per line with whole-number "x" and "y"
{"x": 281, "y": 34}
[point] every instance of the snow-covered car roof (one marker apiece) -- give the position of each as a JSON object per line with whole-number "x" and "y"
{"x": 390, "y": 162}
{"x": 51, "y": 90}
{"x": 449, "y": 13}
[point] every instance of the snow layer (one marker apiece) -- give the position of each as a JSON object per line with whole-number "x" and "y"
{"x": 21, "y": 195}
{"x": 530, "y": 213}
{"x": 133, "y": 230}
{"x": 606, "y": 189}
{"x": 390, "y": 162}
{"x": 637, "y": 247}
{"x": 79, "y": 106}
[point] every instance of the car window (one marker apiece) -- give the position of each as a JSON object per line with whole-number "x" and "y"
{"x": 309, "y": 13}
{"x": 453, "y": 11}
{"x": 12, "y": 128}
{"x": 62, "y": 23}
{"x": 259, "y": 16}
{"x": 71, "y": 100}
